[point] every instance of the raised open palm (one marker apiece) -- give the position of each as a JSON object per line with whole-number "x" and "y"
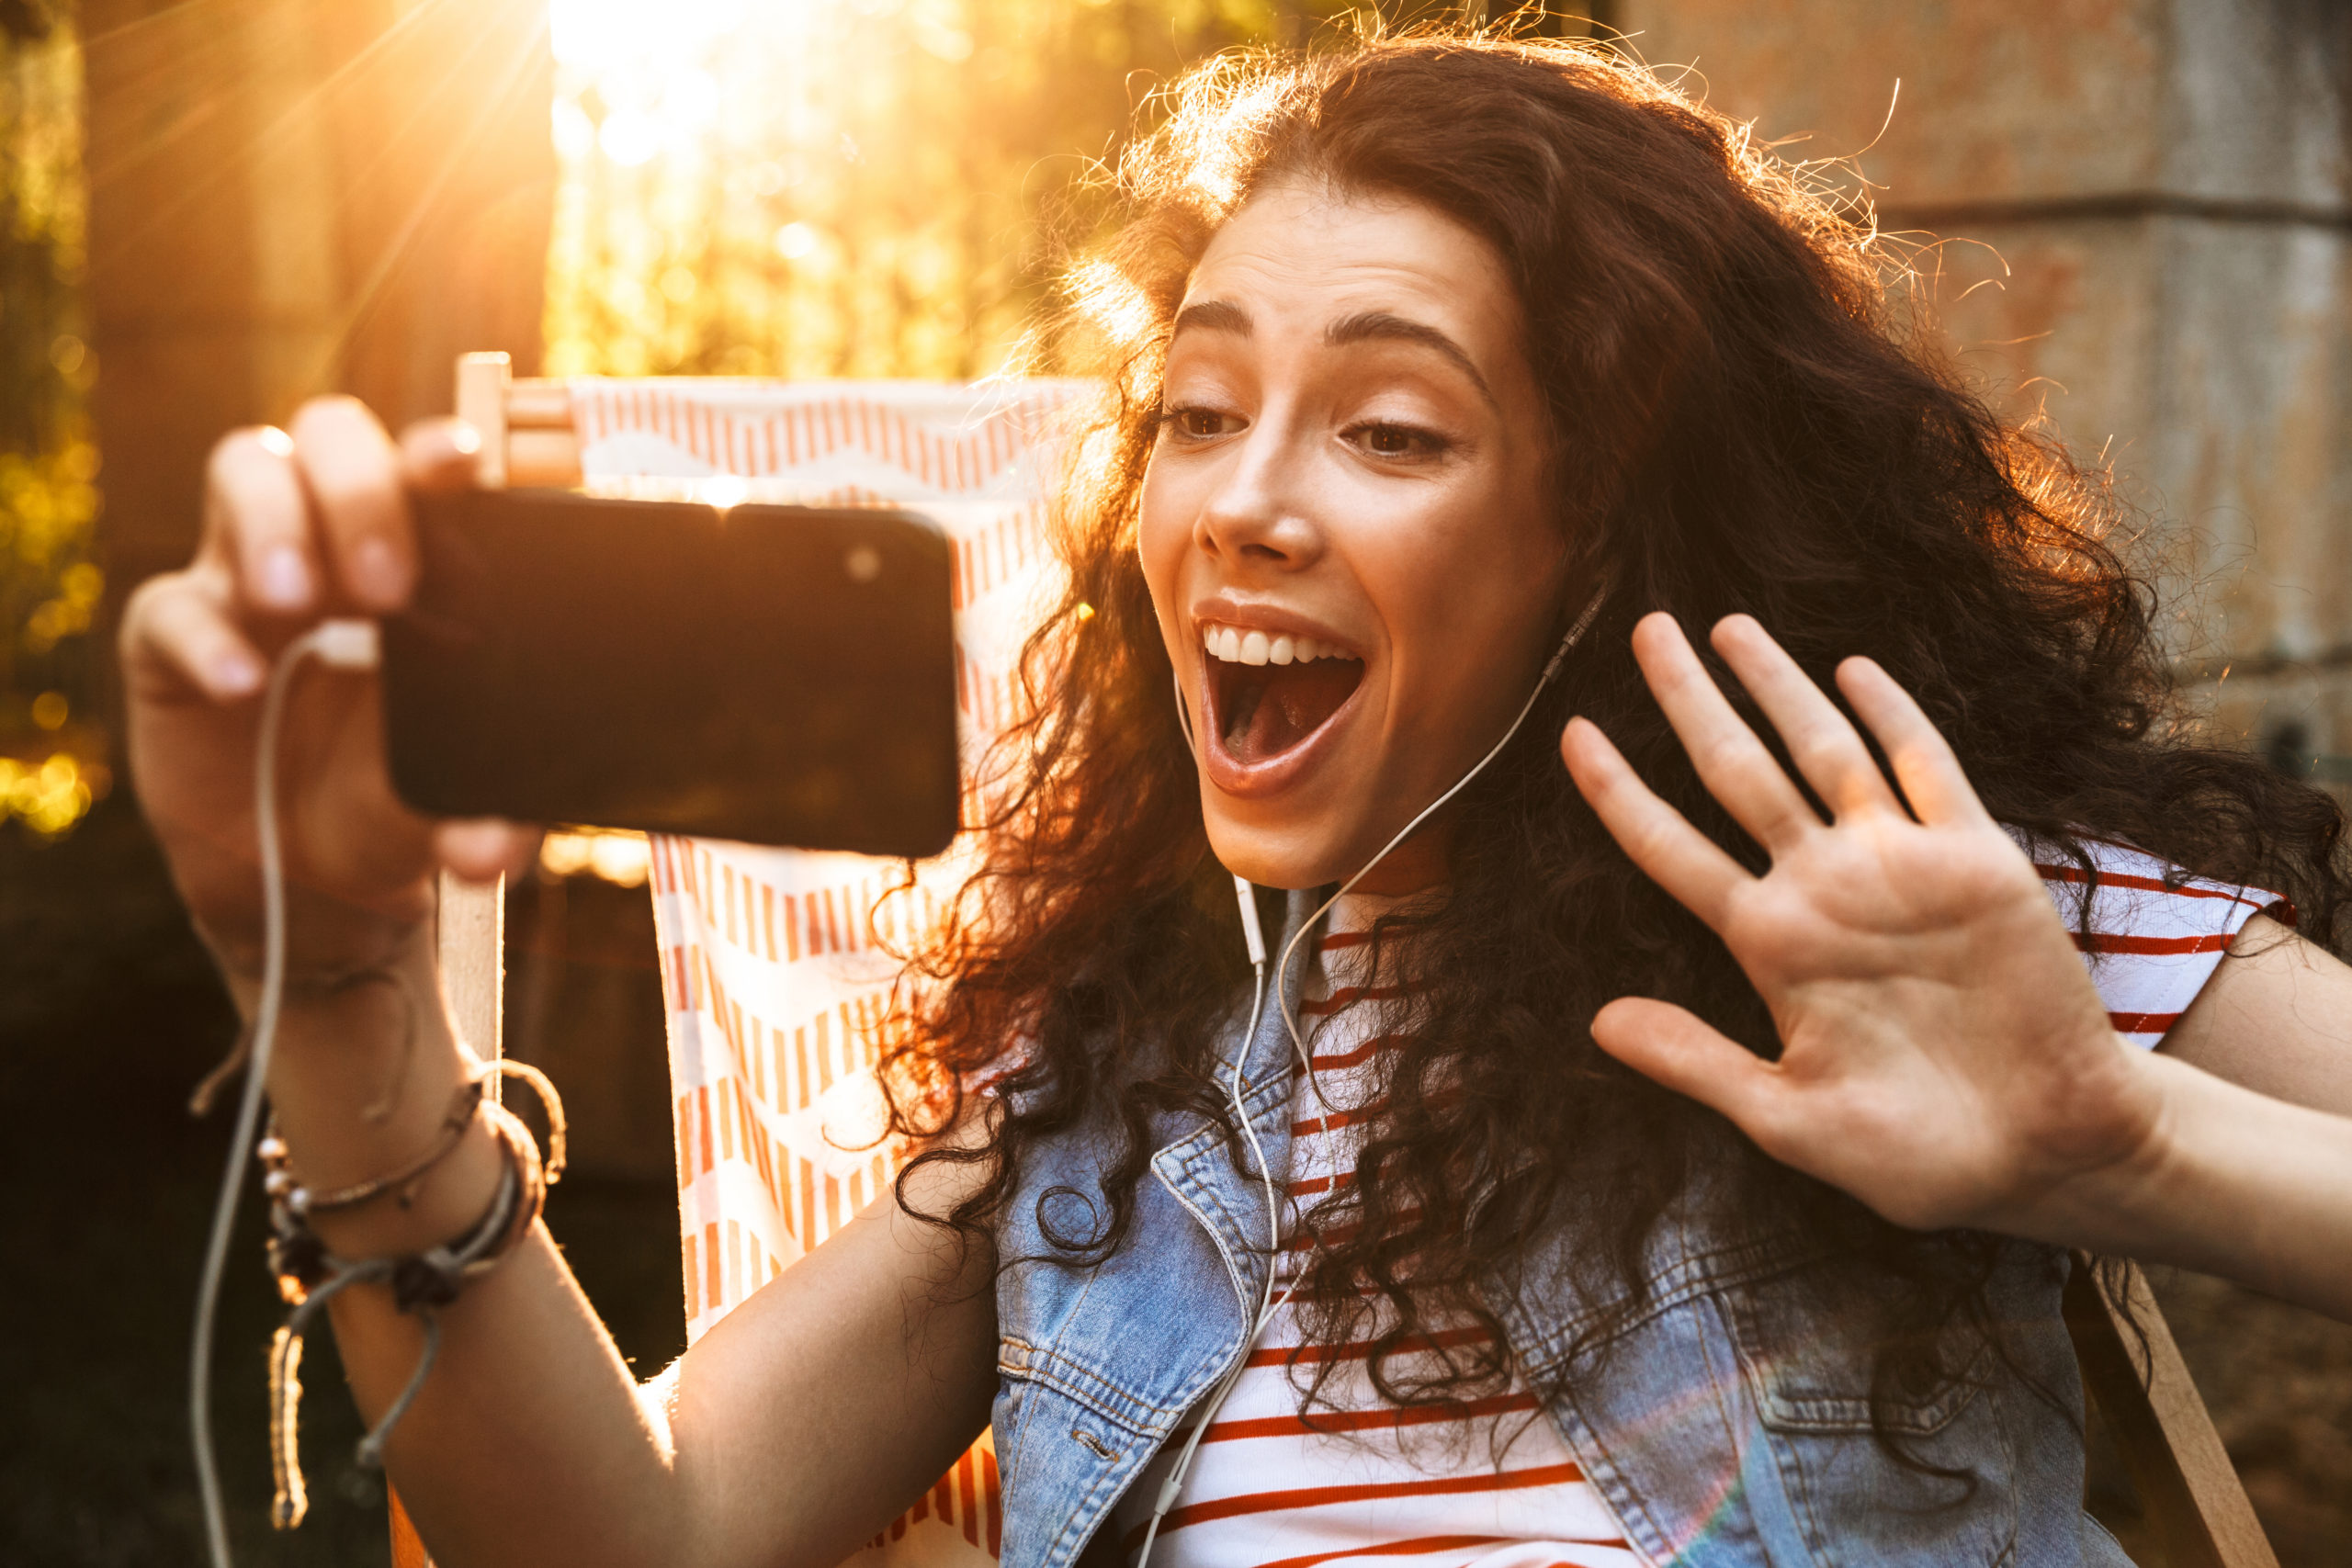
{"x": 1944, "y": 1058}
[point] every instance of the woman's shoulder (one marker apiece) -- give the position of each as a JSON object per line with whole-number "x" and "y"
{"x": 2151, "y": 932}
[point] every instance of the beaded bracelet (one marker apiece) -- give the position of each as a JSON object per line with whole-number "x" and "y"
{"x": 282, "y": 1186}
{"x": 310, "y": 1276}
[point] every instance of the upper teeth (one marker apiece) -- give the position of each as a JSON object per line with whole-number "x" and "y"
{"x": 1235, "y": 646}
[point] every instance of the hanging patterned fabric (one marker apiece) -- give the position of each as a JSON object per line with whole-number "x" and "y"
{"x": 771, "y": 975}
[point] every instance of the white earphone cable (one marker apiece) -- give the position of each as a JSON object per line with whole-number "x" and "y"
{"x": 1254, "y": 935}
{"x": 349, "y": 645}
{"x": 1281, "y": 970}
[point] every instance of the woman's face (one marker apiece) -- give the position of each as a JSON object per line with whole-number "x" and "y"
{"x": 1344, "y": 529}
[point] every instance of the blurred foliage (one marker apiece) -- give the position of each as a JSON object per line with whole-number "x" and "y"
{"x": 870, "y": 188}
{"x": 50, "y": 765}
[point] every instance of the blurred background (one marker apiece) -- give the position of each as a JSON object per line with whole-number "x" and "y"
{"x": 2130, "y": 219}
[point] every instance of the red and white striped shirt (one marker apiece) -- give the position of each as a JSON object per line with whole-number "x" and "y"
{"x": 1485, "y": 1482}
{"x": 2155, "y": 935}
{"x": 1489, "y": 1483}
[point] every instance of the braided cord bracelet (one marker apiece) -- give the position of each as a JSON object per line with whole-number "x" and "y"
{"x": 310, "y": 1276}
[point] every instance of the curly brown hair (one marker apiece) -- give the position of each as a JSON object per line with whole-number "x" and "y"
{"x": 1744, "y": 419}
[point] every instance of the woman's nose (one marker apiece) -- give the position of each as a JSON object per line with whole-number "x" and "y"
{"x": 1259, "y": 513}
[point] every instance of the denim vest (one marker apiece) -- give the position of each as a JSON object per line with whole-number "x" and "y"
{"x": 1728, "y": 1422}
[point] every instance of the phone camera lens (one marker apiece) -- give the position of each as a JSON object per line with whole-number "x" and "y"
{"x": 863, "y": 563}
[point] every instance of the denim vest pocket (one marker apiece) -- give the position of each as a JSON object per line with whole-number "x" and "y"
{"x": 1810, "y": 1350}
{"x": 1808, "y": 1341}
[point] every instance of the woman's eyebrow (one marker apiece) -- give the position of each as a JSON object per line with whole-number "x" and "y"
{"x": 1213, "y": 316}
{"x": 1367, "y": 326}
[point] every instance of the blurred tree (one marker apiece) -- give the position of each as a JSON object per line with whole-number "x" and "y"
{"x": 865, "y": 190}
{"x": 50, "y": 765}
{"x": 294, "y": 197}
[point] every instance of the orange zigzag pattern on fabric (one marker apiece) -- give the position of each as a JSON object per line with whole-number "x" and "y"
{"x": 757, "y": 445}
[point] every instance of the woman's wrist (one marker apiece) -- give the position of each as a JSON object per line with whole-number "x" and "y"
{"x": 2233, "y": 1183}
{"x": 445, "y": 1201}
{"x": 332, "y": 942}
{"x": 361, "y": 1084}
{"x": 2124, "y": 1203}
{"x": 2076, "y": 1153}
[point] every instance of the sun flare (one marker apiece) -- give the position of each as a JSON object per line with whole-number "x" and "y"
{"x": 601, "y": 36}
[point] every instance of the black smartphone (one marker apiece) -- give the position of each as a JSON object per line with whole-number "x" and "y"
{"x": 772, "y": 675}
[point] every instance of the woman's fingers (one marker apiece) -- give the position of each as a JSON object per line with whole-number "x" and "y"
{"x": 257, "y": 521}
{"x": 172, "y": 629}
{"x": 353, "y": 474}
{"x": 1732, "y": 762}
{"x": 1659, "y": 839}
{"x": 1923, "y": 764}
{"x": 323, "y": 511}
{"x": 1671, "y": 1045}
{"x": 1820, "y": 739}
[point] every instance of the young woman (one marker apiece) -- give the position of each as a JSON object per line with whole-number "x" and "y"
{"x": 1451, "y": 380}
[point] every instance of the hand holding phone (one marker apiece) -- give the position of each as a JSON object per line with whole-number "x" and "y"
{"x": 299, "y": 524}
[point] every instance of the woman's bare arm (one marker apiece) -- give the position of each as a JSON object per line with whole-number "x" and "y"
{"x": 1944, "y": 1058}
{"x": 790, "y": 1433}
{"x": 787, "y": 1434}
{"x": 2233, "y": 1183}
{"x": 2276, "y": 1017}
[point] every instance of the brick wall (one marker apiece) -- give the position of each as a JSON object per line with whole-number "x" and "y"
{"x": 2144, "y": 218}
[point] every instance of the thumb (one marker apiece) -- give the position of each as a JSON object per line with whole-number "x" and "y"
{"x": 483, "y": 849}
{"x": 1674, "y": 1046}
{"x": 438, "y": 455}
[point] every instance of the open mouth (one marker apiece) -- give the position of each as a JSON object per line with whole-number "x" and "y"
{"x": 1268, "y": 692}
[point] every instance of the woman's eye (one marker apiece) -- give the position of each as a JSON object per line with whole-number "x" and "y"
{"x": 1200, "y": 424}
{"x": 1398, "y": 441}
